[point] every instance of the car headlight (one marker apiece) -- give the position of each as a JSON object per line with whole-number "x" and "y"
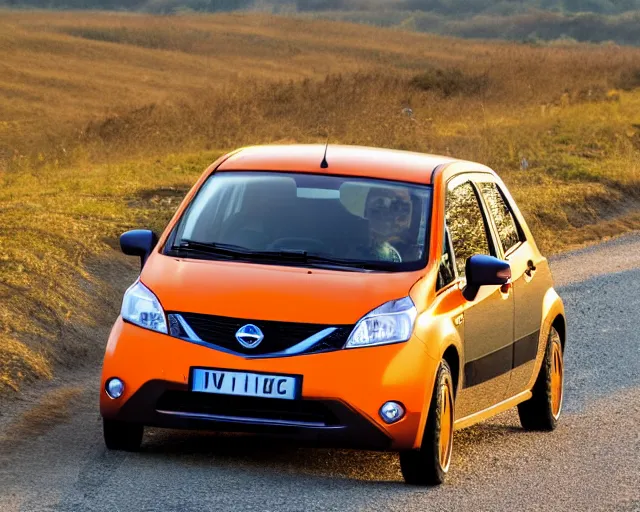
{"x": 390, "y": 323}
{"x": 141, "y": 307}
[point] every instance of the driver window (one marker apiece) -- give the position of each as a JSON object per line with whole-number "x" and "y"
{"x": 466, "y": 225}
{"x": 446, "y": 272}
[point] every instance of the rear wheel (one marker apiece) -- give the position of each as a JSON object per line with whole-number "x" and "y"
{"x": 119, "y": 435}
{"x": 542, "y": 410}
{"x": 429, "y": 464}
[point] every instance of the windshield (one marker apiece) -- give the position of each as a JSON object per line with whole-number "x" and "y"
{"x": 350, "y": 222}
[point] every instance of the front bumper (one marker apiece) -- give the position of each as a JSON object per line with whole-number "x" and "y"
{"x": 342, "y": 391}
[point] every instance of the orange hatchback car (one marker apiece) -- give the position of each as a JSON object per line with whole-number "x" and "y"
{"x": 353, "y": 296}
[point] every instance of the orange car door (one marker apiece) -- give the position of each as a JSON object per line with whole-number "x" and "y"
{"x": 529, "y": 285}
{"x": 488, "y": 320}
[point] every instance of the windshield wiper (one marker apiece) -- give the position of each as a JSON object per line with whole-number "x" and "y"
{"x": 236, "y": 251}
{"x": 212, "y": 248}
{"x": 197, "y": 250}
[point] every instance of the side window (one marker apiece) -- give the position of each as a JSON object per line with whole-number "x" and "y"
{"x": 446, "y": 272}
{"x": 502, "y": 216}
{"x": 466, "y": 224}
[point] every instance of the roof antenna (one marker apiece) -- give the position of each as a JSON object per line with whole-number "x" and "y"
{"x": 324, "y": 164}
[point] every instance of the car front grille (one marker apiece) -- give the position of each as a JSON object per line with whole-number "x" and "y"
{"x": 220, "y": 332}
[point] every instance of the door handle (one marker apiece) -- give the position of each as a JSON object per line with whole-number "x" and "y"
{"x": 531, "y": 269}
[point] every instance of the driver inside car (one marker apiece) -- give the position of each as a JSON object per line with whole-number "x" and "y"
{"x": 389, "y": 213}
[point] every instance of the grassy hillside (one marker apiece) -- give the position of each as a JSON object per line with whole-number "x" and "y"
{"x": 107, "y": 119}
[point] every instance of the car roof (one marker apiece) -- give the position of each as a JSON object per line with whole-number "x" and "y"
{"x": 342, "y": 160}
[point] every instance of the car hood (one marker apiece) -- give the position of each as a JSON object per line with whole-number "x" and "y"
{"x": 271, "y": 292}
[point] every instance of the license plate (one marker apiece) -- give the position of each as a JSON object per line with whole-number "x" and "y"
{"x": 226, "y": 382}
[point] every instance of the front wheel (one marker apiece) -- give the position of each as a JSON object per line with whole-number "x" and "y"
{"x": 542, "y": 410}
{"x": 429, "y": 464}
{"x": 119, "y": 435}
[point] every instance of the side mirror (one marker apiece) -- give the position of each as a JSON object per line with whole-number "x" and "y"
{"x": 482, "y": 270}
{"x": 138, "y": 242}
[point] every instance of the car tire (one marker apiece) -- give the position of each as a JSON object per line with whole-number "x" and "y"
{"x": 430, "y": 463}
{"x": 542, "y": 410}
{"x": 119, "y": 435}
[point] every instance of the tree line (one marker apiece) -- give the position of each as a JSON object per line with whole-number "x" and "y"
{"x": 519, "y": 20}
{"x": 456, "y": 8}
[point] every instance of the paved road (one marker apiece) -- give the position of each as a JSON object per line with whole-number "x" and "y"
{"x": 53, "y": 461}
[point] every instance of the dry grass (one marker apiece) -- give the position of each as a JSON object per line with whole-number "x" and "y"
{"x": 52, "y": 409}
{"x": 60, "y": 70}
{"x": 18, "y": 362}
{"x": 107, "y": 119}
{"x": 53, "y": 221}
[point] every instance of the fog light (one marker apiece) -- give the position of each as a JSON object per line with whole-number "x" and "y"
{"x": 391, "y": 412}
{"x": 114, "y": 387}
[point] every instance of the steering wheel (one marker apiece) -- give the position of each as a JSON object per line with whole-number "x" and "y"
{"x": 297, "y": 244}
{"x": 395, "y": 251}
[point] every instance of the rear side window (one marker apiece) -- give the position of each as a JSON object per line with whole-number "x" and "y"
{"x": 466, "y": 225}
{"x": 502, "y": 216}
